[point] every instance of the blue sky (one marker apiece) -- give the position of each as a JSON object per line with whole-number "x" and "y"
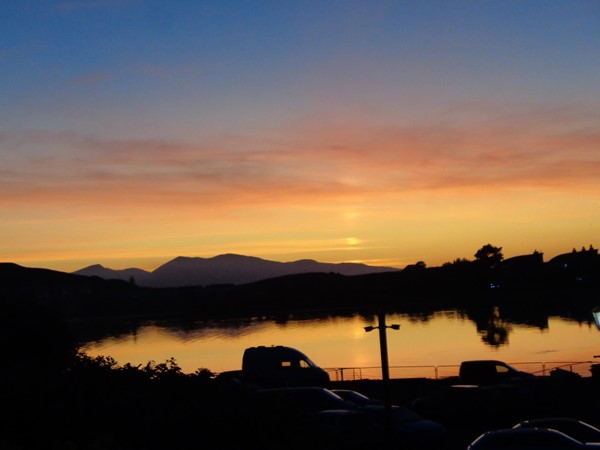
{"x": 385, "y": 132}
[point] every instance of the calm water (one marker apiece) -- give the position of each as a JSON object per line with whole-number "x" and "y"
{"x": 438, "y": 340}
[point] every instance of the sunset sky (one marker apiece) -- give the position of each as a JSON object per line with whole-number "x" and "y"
{"x": 383, "y": 132}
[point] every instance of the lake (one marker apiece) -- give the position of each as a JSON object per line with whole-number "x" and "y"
{"x": 430, "y": 345}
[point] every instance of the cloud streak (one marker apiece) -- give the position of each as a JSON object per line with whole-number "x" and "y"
{"x": 304, "y": 167}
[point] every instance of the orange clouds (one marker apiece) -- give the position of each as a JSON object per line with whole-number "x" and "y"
{"x": 343, "y": 165}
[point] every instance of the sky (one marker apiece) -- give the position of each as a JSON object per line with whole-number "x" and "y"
{"x": 379, "y": 131}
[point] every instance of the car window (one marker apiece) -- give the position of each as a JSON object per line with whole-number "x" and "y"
{"x": 501, "y": 369}
{"x": 304, "y": 364}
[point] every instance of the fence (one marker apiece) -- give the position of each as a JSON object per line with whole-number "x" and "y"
{"x": 447, "y": 371}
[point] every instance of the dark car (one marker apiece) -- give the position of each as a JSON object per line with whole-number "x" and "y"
{"x": 577, "y": 429}
{"x": 300, "y": 400}
{"x": 480, "y": 405}
{"x": 490, "y": 371}
{"x": 279, "y": 366}
{"x": 524, "y": 438}
{"x": 365, "y": 428}
{"x": 326, "y": 418}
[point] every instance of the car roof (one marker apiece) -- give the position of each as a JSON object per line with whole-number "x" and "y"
{"x": 554, "y": 420}
{"x": 524, "y": 437}
{"x": 575, "y": 428}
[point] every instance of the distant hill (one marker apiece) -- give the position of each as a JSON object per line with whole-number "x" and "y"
{"x": 22, "y": 288}
{"x": 140, "y": 276}
{"x": 225, "y": 269}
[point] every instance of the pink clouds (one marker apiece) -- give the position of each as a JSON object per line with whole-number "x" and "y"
{"x": 305, "y": 166}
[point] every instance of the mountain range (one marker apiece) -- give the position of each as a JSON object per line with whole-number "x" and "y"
{"x": 224, "y": 269}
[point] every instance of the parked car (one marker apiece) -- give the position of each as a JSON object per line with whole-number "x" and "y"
{"x": 367, "y": 427}
{"x": 524, "y": 438}
{"x": 484, "y": 372}
{"x": 327, "y": 419}
{"x": 276, "y": 366}
{"x": 300, "y": 400}
{"x": 465, "y": 403}
{"x": 577, "y": 429}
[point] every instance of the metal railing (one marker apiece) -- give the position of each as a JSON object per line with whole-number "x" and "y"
{"x": 545, "y": 368}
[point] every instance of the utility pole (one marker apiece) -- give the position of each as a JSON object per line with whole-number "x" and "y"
{"x": 385, "y": 367}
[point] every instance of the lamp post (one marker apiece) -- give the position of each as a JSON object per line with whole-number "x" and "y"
{"x": 595, "y": 368}
{"x": 385, "y": 367}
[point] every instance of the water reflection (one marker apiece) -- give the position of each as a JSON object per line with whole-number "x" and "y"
{"x": 338, "y": 339}
{"x": 495, "y": 331}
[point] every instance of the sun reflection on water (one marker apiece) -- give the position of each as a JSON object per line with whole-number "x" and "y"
{"x": 443, "y": 338}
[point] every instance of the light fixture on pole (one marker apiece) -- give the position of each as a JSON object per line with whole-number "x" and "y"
{"x": 596, "y": 316}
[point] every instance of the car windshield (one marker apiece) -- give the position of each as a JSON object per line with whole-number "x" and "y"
{"x": 353, "y": 396}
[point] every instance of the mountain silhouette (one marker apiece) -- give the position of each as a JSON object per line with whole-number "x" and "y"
{"x": 140, "y": 276}
{"x": 225, "y": 269}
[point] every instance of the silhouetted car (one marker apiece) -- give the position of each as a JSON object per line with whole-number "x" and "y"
{"x": 276, "y": 366}
{"x": 332, "y": 420}
{"x": 577, "y": 429}
{"x": 367, "y": 426}
{"x": 524, "y": 438}
{"x": 300, "y": 400}
{"x": 407, "y": 428}
{"x": 490, "y": 371}
{"x": 341, "y": 428}
{"x": 459, "y": 404}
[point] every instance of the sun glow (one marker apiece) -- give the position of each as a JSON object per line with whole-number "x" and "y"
{"x": 352, "y": 241}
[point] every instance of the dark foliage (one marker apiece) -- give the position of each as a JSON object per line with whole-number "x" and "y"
{"x": 94, "y": 403}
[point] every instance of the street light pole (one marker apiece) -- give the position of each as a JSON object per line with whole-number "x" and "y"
{"x": 385, "y": 367}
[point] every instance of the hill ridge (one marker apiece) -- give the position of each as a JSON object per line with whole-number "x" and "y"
{"x": 226, "y": 268}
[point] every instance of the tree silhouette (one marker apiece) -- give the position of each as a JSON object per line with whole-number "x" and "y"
{"x": 420, "y": 265}
{"x": 457, "y": 262}
{"x": 489, "y": 255}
